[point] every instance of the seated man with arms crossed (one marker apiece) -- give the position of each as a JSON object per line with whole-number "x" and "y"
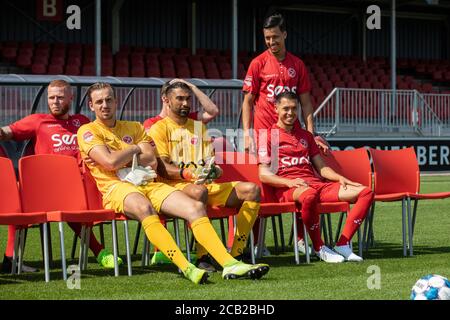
{"x": 113, "y": 144}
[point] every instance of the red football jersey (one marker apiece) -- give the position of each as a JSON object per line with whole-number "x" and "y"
{"x": 267, "y": 77}
{"x": 50, "y": 135}
{"x": 151, "y": 121}
{"x": 290, "y": 153}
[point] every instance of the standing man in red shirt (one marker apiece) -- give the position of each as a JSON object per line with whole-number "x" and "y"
{"x": 288, "y": 165}
{"x": 52, "y": 133}
{"x": 272, "y": 72}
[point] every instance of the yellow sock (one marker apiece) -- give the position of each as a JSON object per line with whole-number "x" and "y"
{"x": 244, "y": 222}
{"x": 161, "y": 238}
{"x": 207, "y": 237}
{"x": 201, "y": 251}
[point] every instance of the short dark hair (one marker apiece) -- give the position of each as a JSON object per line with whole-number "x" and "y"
{"x": 100, "y": 86}
{"x": 164, "y": 88}
{"x": 176, "y": 85}
{"x": 286, "y": 95}
{"x": 275, "y": 20}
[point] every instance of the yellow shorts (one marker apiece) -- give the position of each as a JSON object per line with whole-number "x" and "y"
{"x": 218, "y": 193}
{"x": 156, "y": 192}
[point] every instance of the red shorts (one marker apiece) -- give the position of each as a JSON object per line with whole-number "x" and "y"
{"x": 328, "y": 192}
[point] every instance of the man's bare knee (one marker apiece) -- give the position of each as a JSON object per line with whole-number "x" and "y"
{"x": 199, "y": 193}
{"x": 195, "y": 211}
{"x": 250, "y": 191}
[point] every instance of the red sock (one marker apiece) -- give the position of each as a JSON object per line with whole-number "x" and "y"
{"x": 308, "y": 200}
{"x": 356, "y": 216}
{"x": 94, "y": 245}
{"x": 300, "y": 234}
{"x": 9, "y": 251}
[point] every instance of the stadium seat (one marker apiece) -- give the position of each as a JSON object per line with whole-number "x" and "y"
{"x": 95, "y": 202}
{"x": 53, "y": 184}
{"x": 354, "y": 165}
{"x": 11, "y": 213}
{"x": 397, "y": 178}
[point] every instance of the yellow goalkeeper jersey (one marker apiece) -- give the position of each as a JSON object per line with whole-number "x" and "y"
{"x": 120, "y": 137}
{"x": 185, "y": 145}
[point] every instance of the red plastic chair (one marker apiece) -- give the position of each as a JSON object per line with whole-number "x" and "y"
{"x": 397, "y": 178}
{"x": 11, "y": 214}
{"x": 53, "y": 183}
{"x": 238, "y": 166}
{"x": 354, "y": 165}
{"x": 95, "y": 202}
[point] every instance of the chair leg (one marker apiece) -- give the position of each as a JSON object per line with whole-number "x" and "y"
{"x": 294, "y": 231}
{"x": 275, "y": 235}
{"x": 323, "y": 227}
{"x": 127, "y": 247}
{"x": 252, "y": 247}
{"x": 16, "y": 251}
{"x": 177, "y": 235}
{"x": 102, "y": 235}
{"x": 410, "y": 232}
{"x": 339, "y": 227}
{"x": 114, "y": 236}
{"x": 145, "y": 253}
{"x": 262, "y": 227}
{"x": 404, "y": 225}
{"x": 46, "y": 253}
{"x": 63, "y": 251}
{"x": 222, "y": 231}
{"x": 330, "y": 230}
{"x": 414, "y": 215}
{"x": 305, "y": 238}
{"x": 82, "y": 248}
{"x": 360, "y": 243}
{"x": 74, "y": 246}
{"x": 186, "y": 240}
{"x": 87, "y": 238}
{"x": 136, "y": 238}
{"x": 283, "y": 244}
{"x": 21, "y": 248}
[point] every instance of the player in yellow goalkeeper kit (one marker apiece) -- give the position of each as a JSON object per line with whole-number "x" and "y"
{"x": 112, "y": 144}
{"x": 184, "y": 148}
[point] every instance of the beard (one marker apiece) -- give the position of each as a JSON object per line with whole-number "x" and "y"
{"x": 63, "y": 110}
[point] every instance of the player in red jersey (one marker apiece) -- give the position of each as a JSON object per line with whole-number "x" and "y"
{"x": 209, "y": 112}
{"x": 288, "y": 162}
{"x": 274, "y": 71}
{"x": 53, "y": 133}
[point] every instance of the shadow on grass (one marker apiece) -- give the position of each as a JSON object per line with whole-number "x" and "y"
{"x": 93, "y": 270}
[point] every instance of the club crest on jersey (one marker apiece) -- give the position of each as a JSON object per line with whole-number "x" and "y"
{"x": 304, "y": 143}
{"x": 87, "y": 136}
{"x": 291, "y": 72}
{"x": 76, "y": 123}
{"x": 194, "y": 140}
{"x": 127, "y": 139}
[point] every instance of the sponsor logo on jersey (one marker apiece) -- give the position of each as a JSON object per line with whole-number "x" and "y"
{"x": 268, "y": 76}
{"x": 64, "y": 139}
{"x": 276, "y": 90}
{"x": 127, "y": 139}
{"x": 53, "y": 125}
{"x": 76, "y": 123}
{"x": 293, "y": 161}
{"x": 304, "y": 143}
{"x": 194, "y": 140}
{"x": 88, "y": 136}
{"x": 292, "y": 73}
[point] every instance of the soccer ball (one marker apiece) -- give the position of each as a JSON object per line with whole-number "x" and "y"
{"x": 431, "y": 287}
